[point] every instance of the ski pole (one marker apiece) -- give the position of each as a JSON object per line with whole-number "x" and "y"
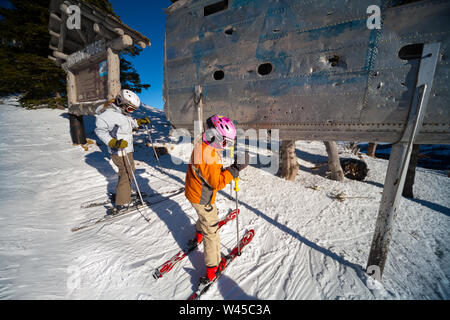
{"x": 124, "y": 153}
{"x": 236, "y": 188}
{"x": 231, "y": 184}
{"x": 154, "y": 150}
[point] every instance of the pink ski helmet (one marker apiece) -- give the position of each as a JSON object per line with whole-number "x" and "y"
{"x": 220, "y": 132}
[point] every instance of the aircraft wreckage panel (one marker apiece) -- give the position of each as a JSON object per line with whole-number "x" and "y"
{"x": 311, "y": 69}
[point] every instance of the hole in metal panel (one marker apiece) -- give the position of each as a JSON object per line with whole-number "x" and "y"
{"x": 215, "y": 7}
{"x": 411, "y": 51}
{"x": 264, "y": 69}
{"x": 229, "y": 31}
{"x": 219, "y": 75}
{"x": 334, "y": 60}
{"x": 397, "y": 3}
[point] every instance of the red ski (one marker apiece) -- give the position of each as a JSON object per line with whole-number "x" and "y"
{"x": 224, "y": 263}
{"x": 169, "y": 264}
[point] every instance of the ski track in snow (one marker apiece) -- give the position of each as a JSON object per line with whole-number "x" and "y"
{"x": 307, "y": 245}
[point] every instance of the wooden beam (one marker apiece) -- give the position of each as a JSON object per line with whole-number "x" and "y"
{"x": 107, "y": 22}
{"x": 54, "y": 16}
{"x": 110, "y": 21}
{"x": 54, "y": 34}
{"x": 111, "y": 24}
{"x": 97, "y": 28}
{"x": 103, "y": 32}
{"x": 63, "y": 7}
{"x": 119, "y": 31}
{"x": 121, "y": 43}
{"x": 142, "y": 44}
{"x": 60, "y": 55}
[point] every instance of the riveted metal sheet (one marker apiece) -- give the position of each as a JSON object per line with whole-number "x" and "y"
{"x": 331, "y": 77}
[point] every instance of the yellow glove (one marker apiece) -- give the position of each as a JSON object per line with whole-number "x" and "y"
{"x": 118, "y": 144}
{"x": 142, "y": 121}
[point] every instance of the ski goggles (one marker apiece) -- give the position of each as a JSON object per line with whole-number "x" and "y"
{"x": 227, "y": 143}
{"x": 129, "y": 108}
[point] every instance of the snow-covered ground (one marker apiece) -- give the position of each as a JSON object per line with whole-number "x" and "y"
{"x": 308, "y": 245}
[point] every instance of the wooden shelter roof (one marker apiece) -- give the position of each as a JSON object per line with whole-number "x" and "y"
{"x": 95, "y": 25}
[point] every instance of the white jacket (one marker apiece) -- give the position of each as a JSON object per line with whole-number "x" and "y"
{"x": 112, "y": 123}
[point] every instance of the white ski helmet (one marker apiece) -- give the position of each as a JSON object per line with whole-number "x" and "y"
{"x": 128, "y": 100}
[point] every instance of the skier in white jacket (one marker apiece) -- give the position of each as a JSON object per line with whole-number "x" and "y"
{"x": 114, "y": 126}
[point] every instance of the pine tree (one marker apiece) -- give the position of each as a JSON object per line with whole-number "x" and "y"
{"x": 129, "y": 78}
{"x": 24, "y": 64}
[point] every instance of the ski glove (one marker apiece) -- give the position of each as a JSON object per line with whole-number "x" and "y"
{"x": 118, "y": 144}
{"x": 142, "y": 121}
{"x": 240, "y": 163}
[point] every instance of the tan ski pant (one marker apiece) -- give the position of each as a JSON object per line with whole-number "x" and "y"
{"x": 123, "y": 188}
{"x": 208, "y": 224}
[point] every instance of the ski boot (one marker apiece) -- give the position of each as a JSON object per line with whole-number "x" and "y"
{"x": 197, "y": 240}
{"x": 118, "y": 209}
{"x": 206, "y": 281}
{"x": 134, "y": 197}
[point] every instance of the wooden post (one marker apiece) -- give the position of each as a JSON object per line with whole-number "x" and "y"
{"x": 371, "y": 149}
{"x": 288, "y": 160}
{"x": 113, "y": 73}
{"x": 333, "y": 161}
{"x": 77, "y": 131}
{"x": 71, "y": 88}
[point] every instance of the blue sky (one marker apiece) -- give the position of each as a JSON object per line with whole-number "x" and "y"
{"x": 148, "y": 18}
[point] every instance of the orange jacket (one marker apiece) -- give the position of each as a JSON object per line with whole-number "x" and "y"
{"x": 205, "y": 175}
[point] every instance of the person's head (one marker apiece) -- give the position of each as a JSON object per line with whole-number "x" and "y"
{"x": 220, "y": 132}
{"x": 128, "y": 101}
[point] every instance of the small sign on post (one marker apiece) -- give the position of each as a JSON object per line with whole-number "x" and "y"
{"x": 91, "y": 77}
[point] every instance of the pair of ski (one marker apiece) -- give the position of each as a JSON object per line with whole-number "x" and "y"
{"x": 224, "y": 263}
{"x": 111, "y": 215}
{"x": 192, "y": 245}
{"x": 170, "y": 264}
{"x": 108, "y": 200}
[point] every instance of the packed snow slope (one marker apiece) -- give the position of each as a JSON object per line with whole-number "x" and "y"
{"x": 308, "y": 245}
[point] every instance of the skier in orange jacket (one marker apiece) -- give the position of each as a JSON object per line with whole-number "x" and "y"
{"x": 204, "y": 177}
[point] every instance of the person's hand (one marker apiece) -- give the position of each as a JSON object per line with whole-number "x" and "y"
{"x": 142, "y": 121}
{"x": 118, "y": 144}
{"x": 240, "y": 163}
{"x": 241, "y": 160}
